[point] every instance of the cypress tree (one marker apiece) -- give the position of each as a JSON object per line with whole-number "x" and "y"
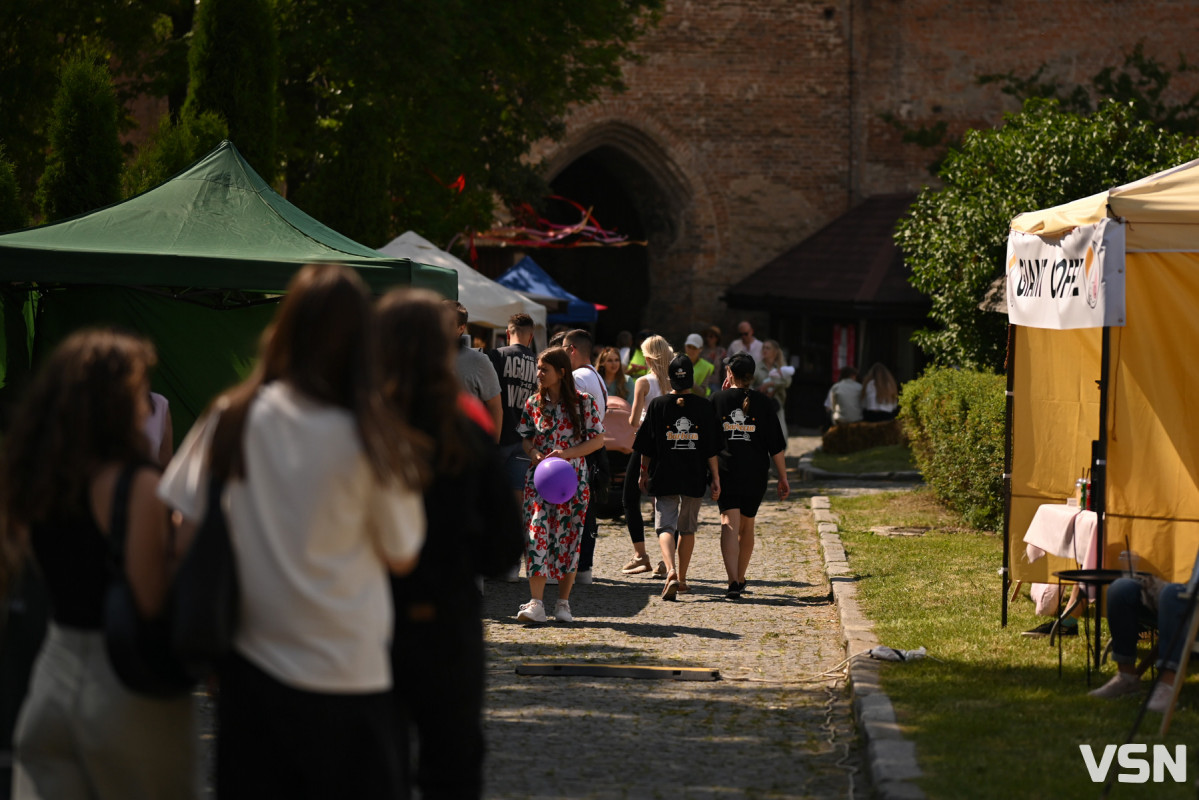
{"x": 83, "y": 170}
{"x": 233, "y": 63}
{"x": 348, "y": 190}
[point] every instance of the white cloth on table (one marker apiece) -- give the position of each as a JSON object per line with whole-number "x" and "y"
{"x": 1063, "y": 531}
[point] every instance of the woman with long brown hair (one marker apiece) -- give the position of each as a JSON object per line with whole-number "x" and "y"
{"x": 474, "y": 528}
{"x": 559, "y": 421}
{"x": 75, "y": 447}
{"x": 880, "y": 394}
{"x": 618, "y": 383}
{"x": 321, "y": 497}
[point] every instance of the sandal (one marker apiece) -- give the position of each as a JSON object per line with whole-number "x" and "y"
{"x": 684, "y": 588}
{"x": 671, "y": 588}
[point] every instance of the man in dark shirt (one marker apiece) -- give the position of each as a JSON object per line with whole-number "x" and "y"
{"x": 516, "y": 366}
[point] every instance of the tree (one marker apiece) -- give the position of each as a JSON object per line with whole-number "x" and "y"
{"x": 139, "y": 37}
{"x": 461, "y": 90}
{"x": 173, "y": 146}
{"x": 234, "y": 72}
{"x": 953, "y": 238}
{"x": 12, "y": 213}
{"x": 83, "y": 170}
{"x": 1142, "y": 82}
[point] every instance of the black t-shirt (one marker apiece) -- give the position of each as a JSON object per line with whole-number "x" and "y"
{"x": 516, "y": 366}
{"x": 679, "y": 441}
{"x": 750, "y": 437}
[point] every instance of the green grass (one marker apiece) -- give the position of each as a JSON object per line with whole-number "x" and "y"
{"x": 990, "y": 718}
{"x": 893, "y": 458}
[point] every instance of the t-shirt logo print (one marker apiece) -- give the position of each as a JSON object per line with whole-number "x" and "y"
{"x": 736, "y": 428}
{"x": 681, "y": 438}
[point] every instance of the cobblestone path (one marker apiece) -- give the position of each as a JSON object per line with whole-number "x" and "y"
{"x": 764, "y": 730}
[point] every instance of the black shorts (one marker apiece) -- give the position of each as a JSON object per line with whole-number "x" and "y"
{"x": 743, "y": 494}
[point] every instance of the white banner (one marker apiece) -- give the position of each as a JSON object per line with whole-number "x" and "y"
{"x": 1076, "y": 281}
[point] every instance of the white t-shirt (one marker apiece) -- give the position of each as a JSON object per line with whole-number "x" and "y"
{"x": 156, "y": 424}
{"x": 588, "y": 380}
{"x": 754, "y": 349}
{"x": 310, "y": 527}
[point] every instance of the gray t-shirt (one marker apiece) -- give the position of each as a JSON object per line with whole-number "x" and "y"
{"x": 477, "y": 374}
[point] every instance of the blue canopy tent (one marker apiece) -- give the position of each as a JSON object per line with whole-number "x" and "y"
{"x": 531, "y": 280}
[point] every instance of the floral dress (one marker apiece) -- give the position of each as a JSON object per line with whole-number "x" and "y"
{"x": 555, "y": 530}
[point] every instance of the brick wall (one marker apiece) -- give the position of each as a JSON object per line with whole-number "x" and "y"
{"x": 762, "y": 121}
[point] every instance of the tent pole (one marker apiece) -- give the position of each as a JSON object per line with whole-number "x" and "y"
{"x": 1005, "y": 573}
{"x": 1099, "y": 476}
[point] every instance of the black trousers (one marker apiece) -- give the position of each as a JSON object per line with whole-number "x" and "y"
{"x": 277, "y": 741}
{"x": 438, "y": 670}
{"x": 631, "y": 498}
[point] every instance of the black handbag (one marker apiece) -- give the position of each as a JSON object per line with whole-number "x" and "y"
{"x": 599, "y": 475}
{"x": 206, "y": 599}
{"x": 138, "y": 649}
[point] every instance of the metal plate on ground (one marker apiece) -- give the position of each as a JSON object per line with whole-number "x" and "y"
{"x": 621, "y": 671}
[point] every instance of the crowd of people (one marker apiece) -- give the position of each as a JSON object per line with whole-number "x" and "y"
{"x": 690, "y": 436}
{"x": 375, "y": 467}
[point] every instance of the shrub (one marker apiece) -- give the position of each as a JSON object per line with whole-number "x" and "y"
{"x": 955, "y": 421}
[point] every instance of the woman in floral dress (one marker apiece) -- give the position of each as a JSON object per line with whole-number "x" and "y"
{"x": 561, "y": 421}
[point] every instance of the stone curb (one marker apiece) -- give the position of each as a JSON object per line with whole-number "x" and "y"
{"x": 892, "y": 758}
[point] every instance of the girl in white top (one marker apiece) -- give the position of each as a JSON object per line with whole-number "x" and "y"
{"x": 320, "y": 504}
{"x": 658, "y": 356}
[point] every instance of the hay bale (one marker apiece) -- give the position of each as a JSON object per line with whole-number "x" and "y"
{"x": 855, "y": 436}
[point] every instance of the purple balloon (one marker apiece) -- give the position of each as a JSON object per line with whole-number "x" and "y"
{"x": 556, "y": 480}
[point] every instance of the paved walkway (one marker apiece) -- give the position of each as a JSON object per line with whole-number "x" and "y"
{"x": 765, "y": 730}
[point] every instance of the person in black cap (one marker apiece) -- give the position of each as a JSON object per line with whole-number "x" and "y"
{"x": 678, "y": 442}
{"x": 753, "y": 438}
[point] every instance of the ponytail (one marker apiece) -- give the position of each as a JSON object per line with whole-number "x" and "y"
{"x": 745, "y": 400}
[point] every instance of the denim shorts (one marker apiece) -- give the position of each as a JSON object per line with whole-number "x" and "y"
{"x": 516, "y": 465}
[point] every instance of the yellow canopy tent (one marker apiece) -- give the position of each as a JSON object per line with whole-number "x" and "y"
{"x": 1103, "y": 295}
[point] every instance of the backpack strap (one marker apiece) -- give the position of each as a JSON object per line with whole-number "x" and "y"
{"x": 118, "y": 520}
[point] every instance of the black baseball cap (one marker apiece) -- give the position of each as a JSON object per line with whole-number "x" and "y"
{"x": 682, "y": 373}
{"x": 742, "y": 365}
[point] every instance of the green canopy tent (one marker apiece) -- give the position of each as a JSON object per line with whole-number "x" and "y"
{"x": 196, "y": 264}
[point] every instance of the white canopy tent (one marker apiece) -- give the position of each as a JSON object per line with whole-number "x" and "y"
{"x": 488, "y": 303}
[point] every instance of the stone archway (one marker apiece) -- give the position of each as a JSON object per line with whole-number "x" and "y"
{"x": 632, "y": 185}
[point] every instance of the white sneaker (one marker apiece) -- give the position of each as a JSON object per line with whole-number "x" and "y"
{"x": 1122, "y": 683}
{"x": 1159, "y": 701}
{"x": 562, "y": 611}
{"x": 583, "y": 576}
{"x": 532, "y": 611}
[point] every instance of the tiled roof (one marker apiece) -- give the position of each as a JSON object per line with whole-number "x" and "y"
{"x": 852, "y": 264}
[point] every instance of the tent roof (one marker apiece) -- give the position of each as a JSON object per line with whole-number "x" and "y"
{"x": 849, "y": 265}
{"x": 529, "y": 279}
{"x": 488, "y": 303}
{"x": 216, "y": 225}
{"x": 1160, "y": 209}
